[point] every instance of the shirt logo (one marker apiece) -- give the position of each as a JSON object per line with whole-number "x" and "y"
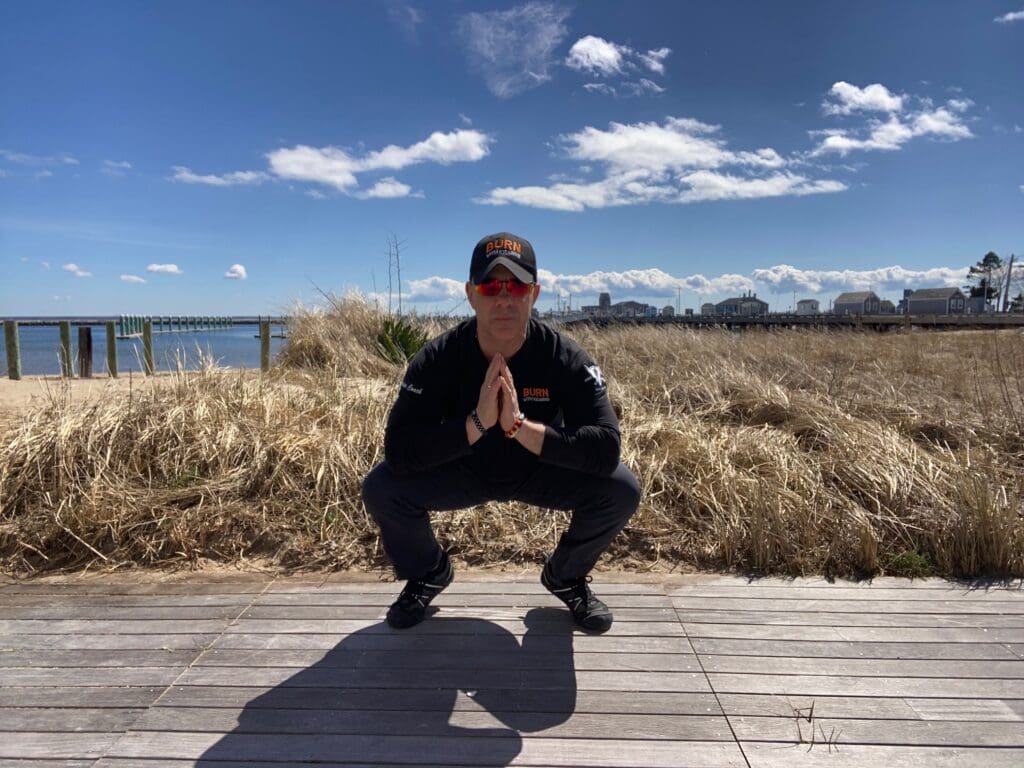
{"x": 536, "y": 395}
{"x": 594, "y": 374}
{"x": 410, "y": 388}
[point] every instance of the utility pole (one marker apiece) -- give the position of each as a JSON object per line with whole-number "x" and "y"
{"x": 679, "y": 299}
{"x": 1006, "y": 286}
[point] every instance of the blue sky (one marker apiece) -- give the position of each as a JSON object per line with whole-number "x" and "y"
{"x": 233, "y": 157}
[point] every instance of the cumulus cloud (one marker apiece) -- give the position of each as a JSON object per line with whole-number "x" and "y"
{"x": 132, "y": 279}
{"x": 597, "y": 56}
{"x": 846, "y": 99}
{"x": 1009, "y": 18}
{"x": 165, "y": 269}
{"x": 407, "y": 18}
{"x": 783, "y": 278}
{"x": 602, "y": 58}
{"x": 514, "y": 49}
{"x": 236, "y": 272}
{"x": 388, "y": 187}
{"x": 115, "y": 167}
{"x": 435, "y": 289}
{"x": 186, "y": 176}
{"x": 76, "y": 270}
{"x": 337, "y": 168}
{"x": 679, "y": 161}
{"x": 902, "y": 124}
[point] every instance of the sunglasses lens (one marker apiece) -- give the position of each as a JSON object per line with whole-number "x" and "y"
{"x": 490, "y": 288}
{"x": 517, "y": 289}
{"x": 493, "y": 288}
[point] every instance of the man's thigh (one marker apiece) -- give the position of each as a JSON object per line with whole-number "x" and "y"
{"x": 566, "y": 489}
{"x": 445, "y": 487}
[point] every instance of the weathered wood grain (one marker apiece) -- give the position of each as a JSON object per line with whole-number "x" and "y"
{"x": 95, "y": 658}
{"x": 839, "y": 685}
{"x": 765, "y": 755}
{"x": 845, "y": 731}
{"x": 69, "y": 719}
{"x": 823, "y": 619}
{"x": 847, "y": 650}
{"x": 776, "y": 665}
{"x": 834, "y": 606}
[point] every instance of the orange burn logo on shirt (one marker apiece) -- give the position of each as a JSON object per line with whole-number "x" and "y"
{"x": 536, "y": 394}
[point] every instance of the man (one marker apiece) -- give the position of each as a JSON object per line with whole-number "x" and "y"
{"x": 501, "y": 407}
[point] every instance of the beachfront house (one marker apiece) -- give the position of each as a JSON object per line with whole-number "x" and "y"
{"x": 857, "y": 303}
{"x": 808, "y": 307}
{"x": 937, "y": 301}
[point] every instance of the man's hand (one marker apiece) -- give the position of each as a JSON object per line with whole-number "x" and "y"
{"x": 509, "y": 399}
{"x": 489, "y": 403}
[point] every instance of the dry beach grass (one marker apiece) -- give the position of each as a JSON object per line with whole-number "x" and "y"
{"x": 792, "y": 452}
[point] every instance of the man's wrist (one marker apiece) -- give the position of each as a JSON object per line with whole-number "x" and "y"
{"x": 475, "y": 417}
{"x": 517, "y": 423}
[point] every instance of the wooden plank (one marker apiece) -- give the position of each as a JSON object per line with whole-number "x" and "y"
{"x": 235, "y": 698}
{"x": 460, "y": 586}
{"x": 50, "y": 746}
{"x": 118, "y": 613}
{"x": 840, "y": 685}
{"x": 834, "y": 606}
{"x": 350, "y": 612}
{"x": 480, "y": 750}
{"x": 778, "y": 665}
{"x": 889, "y": 582}
{"x": 866, "y": 593}
{"x": 417, "y": 642}
{"x": 68, "y": 719}
{"x": 842, "y": 649}
{"x": 852, "y": 634}
{"x": 130, "y": 601}
{"x": 822, "y": 619}
{"x": 111, "y": 586}
{"x": 16, "y": 763}
{"x": 847, "y": 731}
{"x": 457, "y": 678}
{"x": 101, "y": 627}
{"x": 455, "y": 600}
{"x": 765, "y": 755}
{"x": 84, "y": 641}
{"x": 871, "y": 707}
{"x": 384, "y": 722}
{"x": 83, "y": 697}
{"x": 88, "y": 676}
{"x": 342, "y": 658}
{"x": 441, "y": 624}
{"x": 1016, "y": 648}
{"x": 96, "y": 658}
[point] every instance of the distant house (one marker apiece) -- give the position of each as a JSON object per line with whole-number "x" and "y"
{"x": 630, "y": 309}
{"x": 668, "y": 311}
{"x": 743, "y": 306}
{"x": 808, "y": 307}
{"x": 937, "y": 301}
{"x": 886, "y": 307}
{"x": 707, "y": 308}
{"x": 857, "y": 303}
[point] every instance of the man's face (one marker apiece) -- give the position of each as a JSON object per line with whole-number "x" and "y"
{"x": 502, "y": 317}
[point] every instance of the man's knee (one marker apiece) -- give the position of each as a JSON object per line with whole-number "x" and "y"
{"x": 625, "y": 489}
{"x": 378, "y": 490}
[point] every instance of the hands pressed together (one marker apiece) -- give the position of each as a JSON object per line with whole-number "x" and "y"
{"x": 498, "y": 402}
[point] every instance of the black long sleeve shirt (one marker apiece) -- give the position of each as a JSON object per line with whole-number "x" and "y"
{"x": 557, "y": 383}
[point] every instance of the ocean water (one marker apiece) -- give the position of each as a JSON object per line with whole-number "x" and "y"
{"x": 234, "y": 347}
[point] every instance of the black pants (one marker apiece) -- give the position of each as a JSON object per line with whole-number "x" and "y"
{"x": 601, "y": 507}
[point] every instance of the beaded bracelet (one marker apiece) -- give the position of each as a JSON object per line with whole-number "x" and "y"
{"x": 520, "y": 418}
{"x": 476, "y": 420}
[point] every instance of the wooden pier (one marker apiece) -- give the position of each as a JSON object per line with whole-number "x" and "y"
{"x": 699, "y": 670}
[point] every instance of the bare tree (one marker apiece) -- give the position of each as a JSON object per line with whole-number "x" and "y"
{"x": 394, "y": 254}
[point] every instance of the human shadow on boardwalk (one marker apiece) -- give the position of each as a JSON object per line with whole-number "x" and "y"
{"x": 388, "y": 696}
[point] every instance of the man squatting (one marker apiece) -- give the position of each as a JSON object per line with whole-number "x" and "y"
{"x": 501, "y": 407}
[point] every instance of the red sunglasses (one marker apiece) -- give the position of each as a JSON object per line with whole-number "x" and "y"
{"x": 493, "y": 288}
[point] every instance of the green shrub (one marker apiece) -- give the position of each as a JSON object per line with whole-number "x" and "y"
{"x": 399, "y": 339}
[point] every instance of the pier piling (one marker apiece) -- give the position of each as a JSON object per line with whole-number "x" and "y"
{"x": 13, "y": 349}
{"x": 111, "y": 351}
{"x": 65, "y": 349}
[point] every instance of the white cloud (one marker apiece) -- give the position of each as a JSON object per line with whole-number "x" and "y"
{"x": 599, "y": 88}
{"x": 165, "y": 269}
{"x": 597, "y": 56}
{"x": 1009, "y": 18}
{"x": 642, "y": 86}
{"x": 849, "y": 98}
{"x": 316, "y": 194}
{"x": 464, "y": 119}
{"x": 655, "y": 60}
{"x": 24, "y": 259}
{"x": 897, "y": 129}
{"x": 680, "y": 161}
{"x": 186, "y": 176}
{"x": 20, "y": 158}
{"x": 76, "y": 270}
{"x": 435, "y": 289}
{"x": 337, "y": 168}
{"x": 132, "y": 279}
{"x": 236, "y": 272}
{"x": 783, "y": 278}
{"x": 44, "y": 174}
{"x": 45, "y": 265}
{"x": 406, "y": 18}
{"x": 115, "y": 168}
{"x": 514, "y": 49}
{"x": 388, "y": 187}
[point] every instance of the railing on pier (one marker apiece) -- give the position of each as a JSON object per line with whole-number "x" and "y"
{"x": 127, "y": 327}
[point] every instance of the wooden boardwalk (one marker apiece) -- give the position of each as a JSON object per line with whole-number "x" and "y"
{"x": 701, "y": 670}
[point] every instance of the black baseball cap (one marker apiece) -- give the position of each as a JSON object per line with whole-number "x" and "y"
{"x": 508, "y": 250}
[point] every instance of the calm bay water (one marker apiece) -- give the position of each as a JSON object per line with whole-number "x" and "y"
{"x": 234, "y": 347}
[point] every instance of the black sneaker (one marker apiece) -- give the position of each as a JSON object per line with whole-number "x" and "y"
{"x": 587, "y": 611}
{"x": 411, "y": 606}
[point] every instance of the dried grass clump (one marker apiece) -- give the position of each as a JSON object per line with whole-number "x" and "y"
{"x": 793, "y": 452}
